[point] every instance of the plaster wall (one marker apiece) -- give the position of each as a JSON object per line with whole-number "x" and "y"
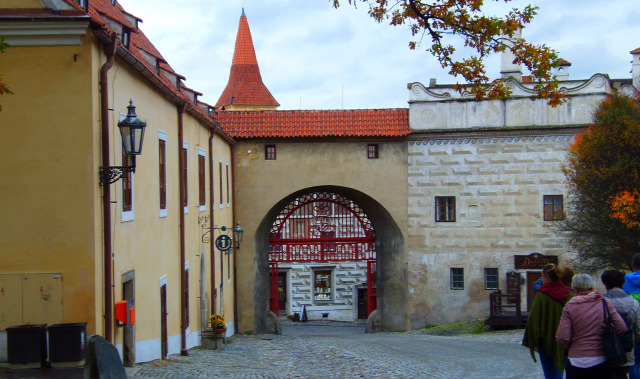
{"x": 499, "y": 183}
{"x": 48, "y": 212}
{"x": 263, "y": 187}
{"x": 498, "y": 158}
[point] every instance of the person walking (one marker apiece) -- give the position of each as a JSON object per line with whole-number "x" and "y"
{"x": 581, "y": 330}
{"x": 543, "y": 320}
{"x": 632, "y": 287}
{"x": 627, "y": 307}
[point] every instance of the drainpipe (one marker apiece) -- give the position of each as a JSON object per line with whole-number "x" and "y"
{"x": 235, "y": 221}
{"x": 183, "y": 277}
{"x": 212, "y": 134}
{"x": 109, "y": 50}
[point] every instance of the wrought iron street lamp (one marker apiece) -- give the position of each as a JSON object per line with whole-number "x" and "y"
{"x": 132, "y": 134}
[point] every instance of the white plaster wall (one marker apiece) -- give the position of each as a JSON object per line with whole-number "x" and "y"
{"x": 499, "y": 182}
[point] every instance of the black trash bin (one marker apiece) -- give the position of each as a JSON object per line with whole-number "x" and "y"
{"x": 68, "y": 344}
{"x": 27, "y": 346}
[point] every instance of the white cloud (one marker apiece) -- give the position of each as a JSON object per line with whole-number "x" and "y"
{"x": 315, "y": 57}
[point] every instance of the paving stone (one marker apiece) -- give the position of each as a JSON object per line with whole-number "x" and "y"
{"x": 342, "y": 350}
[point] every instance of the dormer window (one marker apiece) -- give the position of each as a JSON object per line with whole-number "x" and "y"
{"x": 126, "y": 35}
{"x": 83, "y": 3}
{"x": 113, "y": 2}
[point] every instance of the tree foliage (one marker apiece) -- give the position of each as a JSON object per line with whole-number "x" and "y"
{"x": 485, "y": 34}
{"x": 3, "y": 87}
{"x": 603, "y": 172}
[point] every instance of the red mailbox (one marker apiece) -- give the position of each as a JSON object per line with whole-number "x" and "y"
{"x": 125, "y": 313}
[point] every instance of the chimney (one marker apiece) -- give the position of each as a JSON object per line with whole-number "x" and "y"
{"x": 635, "y": 68}
{"x": 562, "y": 71}
{"x": 432, "y": 82}
{"x": 508, "y": 69}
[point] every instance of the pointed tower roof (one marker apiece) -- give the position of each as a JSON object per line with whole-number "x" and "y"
{"x": 245, "y": 89}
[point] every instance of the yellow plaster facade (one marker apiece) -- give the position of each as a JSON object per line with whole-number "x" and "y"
{"x": 52, "y": 220}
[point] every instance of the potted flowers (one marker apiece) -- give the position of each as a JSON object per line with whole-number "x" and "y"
{"x": 217, "y": 323}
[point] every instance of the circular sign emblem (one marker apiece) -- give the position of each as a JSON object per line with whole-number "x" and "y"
{"x": 223, "y": 242}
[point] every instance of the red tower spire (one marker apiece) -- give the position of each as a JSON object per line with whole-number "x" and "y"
{"x": 245, "y": 89}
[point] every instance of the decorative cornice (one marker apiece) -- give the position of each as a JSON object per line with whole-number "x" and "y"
{"x": 492, "y": 140}
{"x": 44, "y": 33}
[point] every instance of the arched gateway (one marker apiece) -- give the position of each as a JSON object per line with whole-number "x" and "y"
{"x": 322, "y": 256}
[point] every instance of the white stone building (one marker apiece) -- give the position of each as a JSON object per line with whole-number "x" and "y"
{"x": 485, "y": 185}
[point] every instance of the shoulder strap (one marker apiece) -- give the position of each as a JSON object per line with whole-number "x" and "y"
{"x": 607, "y": 315}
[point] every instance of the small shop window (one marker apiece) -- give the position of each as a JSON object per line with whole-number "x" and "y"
{"x": 322, "y": 285}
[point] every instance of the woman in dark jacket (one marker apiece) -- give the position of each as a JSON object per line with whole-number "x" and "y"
{"x": 544, "y": 317}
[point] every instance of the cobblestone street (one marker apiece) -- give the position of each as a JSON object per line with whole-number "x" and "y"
{"x": 322, "y": 350}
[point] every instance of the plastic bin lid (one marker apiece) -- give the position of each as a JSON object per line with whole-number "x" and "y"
{"x": 26, "y": 327}
{"x": 68, "y": 325}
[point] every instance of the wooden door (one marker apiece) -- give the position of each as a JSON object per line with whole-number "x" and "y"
{"x": 163, "y": 321}
{"x": 532, "y": 276}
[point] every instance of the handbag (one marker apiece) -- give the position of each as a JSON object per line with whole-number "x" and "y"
{"x": 614, "y": 350}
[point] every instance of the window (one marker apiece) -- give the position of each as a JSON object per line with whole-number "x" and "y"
{"x": 202, "y": 189}
{"x": 162, "y": 174}
{"x": 270, "y": 152}
{"x": 491, "y": 278}
{"x": 445, "y": 208}
{"x": 82, "y": 3}
{"x": 220, "y": 179}
{"x": 322, "y": 285}
{"x": 228, "y": 203}
{"x": 372, "y": 151}
{"x": 126, "y": 35}
{"x": 127, "y": 184}
{"x": 457, "y": 278}
{"x": 553, "y": 209}
{"x": 185, "y": 177}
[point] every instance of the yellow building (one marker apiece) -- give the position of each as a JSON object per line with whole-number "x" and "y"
{"x": 71, "y": 247}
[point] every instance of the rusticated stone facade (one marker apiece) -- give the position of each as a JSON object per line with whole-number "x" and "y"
{"x": 497, "y": 160}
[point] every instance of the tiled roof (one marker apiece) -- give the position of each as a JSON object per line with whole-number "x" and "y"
{"x": 245, "y": 86}
{"x": 315, "y": 123}
{"x": 139, "y": 42}
{"x": 635, "y": 51}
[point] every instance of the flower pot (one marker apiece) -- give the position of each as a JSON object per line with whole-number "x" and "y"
{"x": 220, "y": 330}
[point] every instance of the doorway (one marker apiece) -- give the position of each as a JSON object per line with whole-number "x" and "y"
{"x": 282, "y": 293}
{"x": 163, "y": 321}
{"x": 129, "y": 335}
{"x": 532, "y": 277}
{"x": 362, "y": 304}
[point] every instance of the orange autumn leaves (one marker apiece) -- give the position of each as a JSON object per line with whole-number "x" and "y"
{"x": 441, "y": 19}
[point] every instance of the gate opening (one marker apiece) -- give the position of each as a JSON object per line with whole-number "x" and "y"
{"x": 322, "y": 250}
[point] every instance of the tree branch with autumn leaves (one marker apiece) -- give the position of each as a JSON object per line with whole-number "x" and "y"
{"x": 4, "y": 89}
{"x": 484, "y": 34}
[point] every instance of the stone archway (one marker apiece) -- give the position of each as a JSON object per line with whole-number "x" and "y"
{"x": 391, "y": 261}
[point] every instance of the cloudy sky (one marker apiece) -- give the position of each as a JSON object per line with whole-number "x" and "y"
{"x": 313, "y": 56}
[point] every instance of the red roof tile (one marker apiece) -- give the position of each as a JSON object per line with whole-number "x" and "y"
{"x": 139, "y": 42}
{"x": 245, "y": 86}
{"x": 315, "y": 123}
